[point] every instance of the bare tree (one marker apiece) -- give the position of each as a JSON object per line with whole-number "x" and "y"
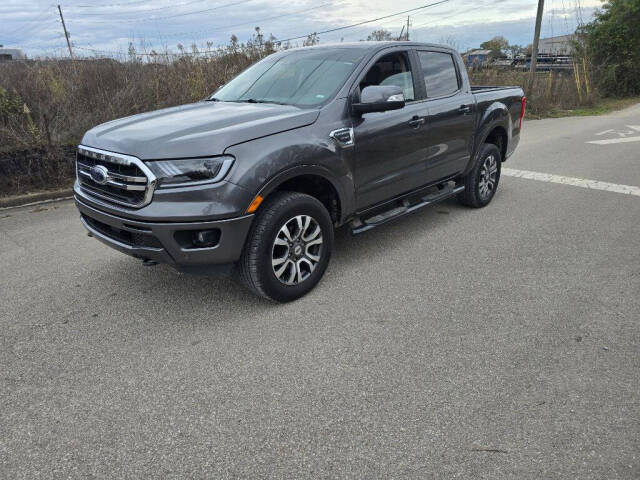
{"x": 380, "y": 35}
{"x": 451, "y": 41}
{"x": 312, "y": 39}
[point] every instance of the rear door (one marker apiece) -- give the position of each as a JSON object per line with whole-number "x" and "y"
{"x": 452, "y": 108}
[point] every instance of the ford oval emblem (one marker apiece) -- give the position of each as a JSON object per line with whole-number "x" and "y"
{"x": 99, "y": 174}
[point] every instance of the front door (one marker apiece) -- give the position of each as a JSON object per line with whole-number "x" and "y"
{"x": 390, "y": 146}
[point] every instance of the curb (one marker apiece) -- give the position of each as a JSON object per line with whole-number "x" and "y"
{"x": 35, "y": 198}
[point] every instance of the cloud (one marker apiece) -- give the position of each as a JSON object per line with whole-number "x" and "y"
{"x": 110, "y": 26}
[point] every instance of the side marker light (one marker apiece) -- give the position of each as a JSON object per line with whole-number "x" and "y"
{"x": 255, "y": 204}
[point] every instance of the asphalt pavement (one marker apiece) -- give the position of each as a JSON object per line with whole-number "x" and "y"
{"x": 455, "y": 343}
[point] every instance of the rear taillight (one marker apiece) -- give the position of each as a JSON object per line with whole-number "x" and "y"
{"x": 523, "y": 107}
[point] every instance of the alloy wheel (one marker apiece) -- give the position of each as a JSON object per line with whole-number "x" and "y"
{"x": 488, "y": 177}
{"x": 297, "y": 249}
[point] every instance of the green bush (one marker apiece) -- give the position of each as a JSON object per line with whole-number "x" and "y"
{"x": 612, "y": 46}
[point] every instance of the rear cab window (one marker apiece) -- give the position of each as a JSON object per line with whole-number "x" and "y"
{"x": 439, "y": 72}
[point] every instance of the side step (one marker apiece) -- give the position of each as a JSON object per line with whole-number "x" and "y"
{"x": 405, "y": 208}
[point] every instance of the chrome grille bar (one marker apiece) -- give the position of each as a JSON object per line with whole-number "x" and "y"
{"x": 121, "y": 179}
{"x": 124, "y": 178}
{"x": 124, "y": 186}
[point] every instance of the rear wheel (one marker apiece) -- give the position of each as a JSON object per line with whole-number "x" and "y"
{"x": 482, "y": 181}
{"x": 288, "y": 248}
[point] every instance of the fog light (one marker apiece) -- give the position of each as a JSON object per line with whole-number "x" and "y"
{"x": 206, "y": 238}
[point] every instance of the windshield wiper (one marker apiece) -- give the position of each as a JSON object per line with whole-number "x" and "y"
{"x": 254, "y": 100}
{"x": 213, "y": 99}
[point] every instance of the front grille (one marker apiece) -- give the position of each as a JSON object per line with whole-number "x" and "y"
{"x": 134, "y": 239}
{"x": 114, "y": 177}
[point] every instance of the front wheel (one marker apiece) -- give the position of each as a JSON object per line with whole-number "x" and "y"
{"x": 288, "y": 248}
{"x": 481, "y": 182}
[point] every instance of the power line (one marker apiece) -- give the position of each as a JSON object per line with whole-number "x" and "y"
{"x": 392, "y": 25}
{"x": 136, "y": 11}
{"x": 112, "y": 4}
{"x": 38, "y": 42}
{"x": 564, "y": 15}
{"x": 477, "y": 7}
{"x": 579, "y": 13}
{"x": 153, "y": 19}
{"x": 40, "y": 26}
{"x": 31, "y": 23}
{"x": 430, "y": 22}
{"x": 251, "y": 22}
{"x": 299, "y": 37}
{"x": 364, "y": 22}
{"x": 420, "y": 25}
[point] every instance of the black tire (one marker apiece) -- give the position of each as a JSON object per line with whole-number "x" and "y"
{"x": 474, "y": 194}
{"x": 255, "y": 266}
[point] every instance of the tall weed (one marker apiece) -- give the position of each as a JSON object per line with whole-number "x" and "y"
{"x": 47, "y": 105}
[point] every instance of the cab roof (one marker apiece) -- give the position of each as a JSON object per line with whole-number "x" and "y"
{"x": 371, "y": 45}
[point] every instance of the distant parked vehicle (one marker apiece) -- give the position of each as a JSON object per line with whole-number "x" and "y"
{"x": 306, "y": 140}
{"x": 545, "y": 63}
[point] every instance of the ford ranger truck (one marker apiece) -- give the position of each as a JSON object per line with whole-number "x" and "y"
{"x": 255, "y": 178}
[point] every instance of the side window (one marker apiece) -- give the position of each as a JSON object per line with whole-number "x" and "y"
{"x": 439, "y": 72}
{"x": 392, "y": 69}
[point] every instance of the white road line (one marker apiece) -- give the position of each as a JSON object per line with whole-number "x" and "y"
{"x": 615, "y": 140}
{"x": 576, "y": 182}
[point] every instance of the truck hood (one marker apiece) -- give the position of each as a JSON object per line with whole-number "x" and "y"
{"x": 195, "y": 130}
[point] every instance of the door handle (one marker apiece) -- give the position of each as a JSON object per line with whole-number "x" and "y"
{"x": 416, "y": 122}
{"x": 464, "y": 109}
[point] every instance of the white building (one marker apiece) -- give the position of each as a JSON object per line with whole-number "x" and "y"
{"x": 562, "y": 45}
{"x": 8, "y": 54}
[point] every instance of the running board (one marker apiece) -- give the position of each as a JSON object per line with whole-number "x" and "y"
{"x": 360, "y": 226}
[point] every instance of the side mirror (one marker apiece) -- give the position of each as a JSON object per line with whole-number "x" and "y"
{"x": 379, "y": 98}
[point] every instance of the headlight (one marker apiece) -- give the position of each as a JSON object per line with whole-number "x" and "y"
{"x": 190, "y": 171}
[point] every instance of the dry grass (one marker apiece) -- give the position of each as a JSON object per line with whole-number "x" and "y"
{"x": 65, "y": 98}
{"x": 551, "y": 91}
{"x": 47, "y": 105}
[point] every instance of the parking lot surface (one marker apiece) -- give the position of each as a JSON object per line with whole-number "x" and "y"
{"x": 455, "y": 343}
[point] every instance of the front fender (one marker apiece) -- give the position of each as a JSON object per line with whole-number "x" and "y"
{"x": 299, "y": 170}
{"x": 263, "y": 164}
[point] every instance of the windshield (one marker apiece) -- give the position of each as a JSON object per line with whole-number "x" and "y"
{"x": 302, "y": 78}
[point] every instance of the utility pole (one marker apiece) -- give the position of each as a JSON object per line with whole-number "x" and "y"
{"x": 407, "y": 32}
{"x": 536, "y": 38}
{"x": 66, "y": 34}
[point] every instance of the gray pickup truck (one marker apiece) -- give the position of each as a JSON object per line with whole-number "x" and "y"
{"x": 255, "y": 178}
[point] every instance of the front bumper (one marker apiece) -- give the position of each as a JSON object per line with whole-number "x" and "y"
{"x": 167, "y": 242}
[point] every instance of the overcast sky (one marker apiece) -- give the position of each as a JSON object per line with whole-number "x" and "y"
{"x": 109, "y": 26}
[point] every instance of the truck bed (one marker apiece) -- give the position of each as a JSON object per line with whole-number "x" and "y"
{"x": 486, "y": 96}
